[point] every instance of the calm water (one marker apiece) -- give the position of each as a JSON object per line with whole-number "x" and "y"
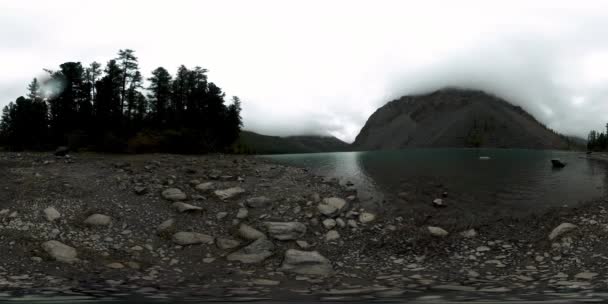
{"x": 519, "y": 180}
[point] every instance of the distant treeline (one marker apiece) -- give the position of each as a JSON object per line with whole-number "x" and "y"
{"x": 110, "y": 110}
{"x": 597, "y": 141}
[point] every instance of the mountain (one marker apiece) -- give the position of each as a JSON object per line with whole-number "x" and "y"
{"x": 456, "y": 118}
{"x": 254, "y": 143}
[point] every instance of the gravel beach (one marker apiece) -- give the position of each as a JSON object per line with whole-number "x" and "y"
{"x": 225, "y": 226}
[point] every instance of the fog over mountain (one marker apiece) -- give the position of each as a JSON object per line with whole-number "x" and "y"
{"x": 322, "y": 67}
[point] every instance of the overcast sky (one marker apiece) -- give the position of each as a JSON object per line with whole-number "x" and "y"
{"x": 323, "y": 67}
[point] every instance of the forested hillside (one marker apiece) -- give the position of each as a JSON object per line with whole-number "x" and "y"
{"x": 111, "y": 108}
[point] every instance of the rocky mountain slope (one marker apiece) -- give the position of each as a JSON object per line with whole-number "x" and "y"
{"x": 251, "y": 142}
{"x": 456, "y": 118}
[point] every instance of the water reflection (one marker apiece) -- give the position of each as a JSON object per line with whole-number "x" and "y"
{"x": 510, "y": 181}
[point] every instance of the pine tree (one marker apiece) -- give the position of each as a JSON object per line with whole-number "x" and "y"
{"x": 33, "y": 89}
{"x": 107, "y": 108}
{"x": 92, "y": 75}
{"x": 128, "y": 63}
{"x": 160, "y": 94}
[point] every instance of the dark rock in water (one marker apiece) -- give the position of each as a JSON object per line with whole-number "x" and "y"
{"x": 557, "y": 163}
{"x": 62, "y": 151}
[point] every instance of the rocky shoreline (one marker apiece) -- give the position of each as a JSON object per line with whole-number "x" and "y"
{"x": 243, "y": 227}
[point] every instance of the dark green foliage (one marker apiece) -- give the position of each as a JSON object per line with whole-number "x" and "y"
{"x": 108, "y": 111}
{"x": 597, "y": 141}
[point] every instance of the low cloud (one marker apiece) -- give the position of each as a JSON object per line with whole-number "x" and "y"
{"x": 318, "y": 67}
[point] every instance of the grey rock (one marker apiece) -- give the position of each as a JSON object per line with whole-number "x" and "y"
{"x": 205, "y": 186}
{"x": 585, "y": 275}
{"x": 560, "y": 230}
{"x": 255, "y": 252}
{"x": 258, "y": 202}
{"x": 183, "y": 207}
{"x": 249, "y": 233}
{"x": 223, "y": 243}
{"x": 340, "y": 222}
{"x": 437, "y": 231}
{"x": 115, "y": 265}
{"x": 331, "y": 206}
{"x": 332, "y": 235}
{"x": 306, "y": 263}
{"x": 165, "y": 225}
{"x": 482, "y": 249}
{"x": 229, "y": 193}
{"x": 329, "y": 223}
{"x": 438, "y": 203}
{"x": 98, "y": 220}
{"x": 51, "y": 214}
{"x": 60, "y": 252}
{"x": 285, "y": 230}
{"x": 242, "y": 213}
{"x": 191, "y": 238}
{"x": 174, "y": 194}
{"x": 366, "y": 217}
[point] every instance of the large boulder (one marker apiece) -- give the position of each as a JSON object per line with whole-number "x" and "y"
{"x": 60, "y": 252}
{"x": 192, "y": 238}
{"x": 98, "y": 220}
{"x": 258, "y": 202}
{"x": 560, "y": 230}
{"x": 306, "y": 263}
{"x": 229, "y": 193}
{"x": 249, "y": 233}
{"x": 255, "y": 252}
{"x": 51, "y": 214}
{"x": 331, "y": 206}
{"x": 174, "y": 194}
{"x": 285, "y": 230}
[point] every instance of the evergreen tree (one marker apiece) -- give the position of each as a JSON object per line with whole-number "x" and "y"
{"x": 132, "y": 95}
{"x": 33, "y": 89}
{"x": 160, "y": 94}
{"x": 178, "y": 97}
{"x": 92, "y": 75}
{"x": 106, "y": 109}
{"x": 68, "y": 100}
{"x": 128, "y": 63}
